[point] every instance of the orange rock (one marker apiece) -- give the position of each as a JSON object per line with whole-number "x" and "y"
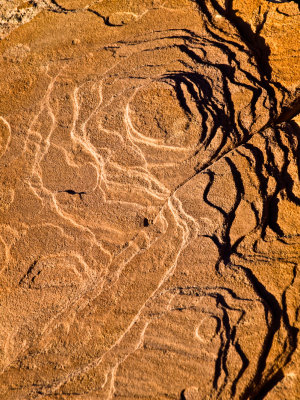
{"x": 149, "y": 200}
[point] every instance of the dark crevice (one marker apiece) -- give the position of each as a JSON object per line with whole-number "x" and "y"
{"x": 57, "y": 8}
{"x": 28, "y": 273}
{"x": 72, "y": 192}
{"x": 272, "y": 382}
{"x": 245, "y": 363}
{"x": 273, "y": 216}
{"x": 289, "y": 112}
{"x": 255, "y": 43}
{"x": 272, "y": 305}
{"x": 104, "y": 19}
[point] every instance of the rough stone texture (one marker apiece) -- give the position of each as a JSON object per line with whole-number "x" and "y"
{"x": 149, "y": 200}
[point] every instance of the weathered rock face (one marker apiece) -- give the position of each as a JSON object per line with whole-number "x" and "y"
{"x": 149, "y": 200}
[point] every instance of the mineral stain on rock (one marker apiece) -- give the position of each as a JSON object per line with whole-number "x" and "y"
{"x": 149, "y": 200}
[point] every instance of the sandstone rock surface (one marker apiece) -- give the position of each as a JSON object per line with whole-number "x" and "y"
{"x": 149, "y": 200}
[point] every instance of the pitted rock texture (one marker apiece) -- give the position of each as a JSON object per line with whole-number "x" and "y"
{"x": 149, "y": 200}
